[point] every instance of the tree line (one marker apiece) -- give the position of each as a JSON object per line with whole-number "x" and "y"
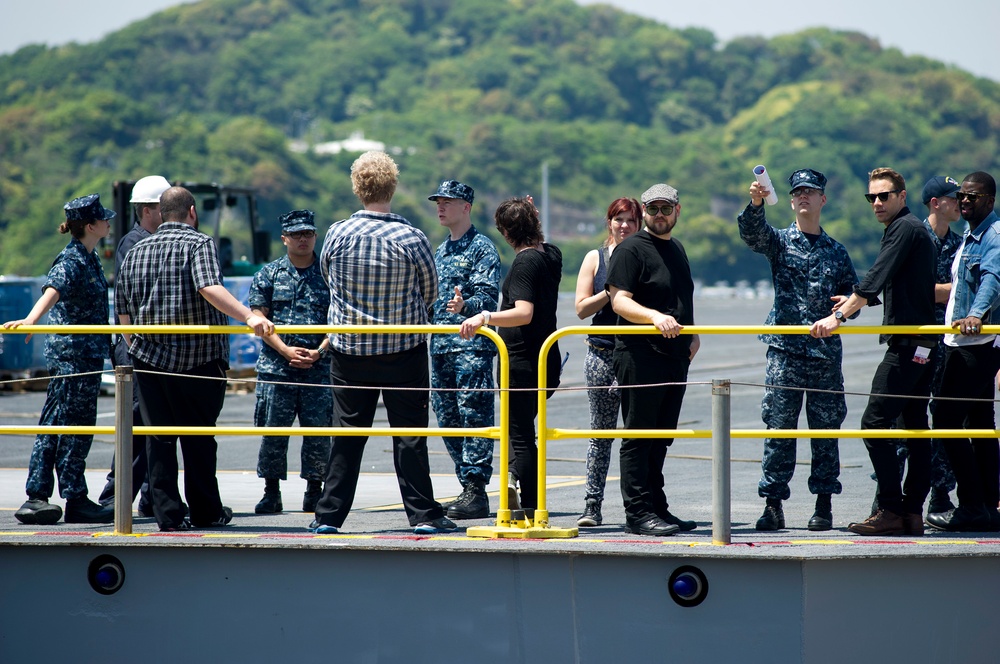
{"x": 484, "y": 91}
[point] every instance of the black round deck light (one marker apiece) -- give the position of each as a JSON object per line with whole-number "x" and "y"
{"x": 106, "y": 574}
{"x": 688, "y": 586}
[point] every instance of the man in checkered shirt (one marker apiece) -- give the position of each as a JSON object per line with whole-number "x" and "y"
{"x": 173, "y": 277}
{"x": 380, "y": 270}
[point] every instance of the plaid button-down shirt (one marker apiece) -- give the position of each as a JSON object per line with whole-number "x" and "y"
{"x": 380, "y": 270}
{"x": 158, "y": 285}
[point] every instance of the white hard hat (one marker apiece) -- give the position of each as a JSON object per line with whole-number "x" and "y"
{"x": 148, "y": 189}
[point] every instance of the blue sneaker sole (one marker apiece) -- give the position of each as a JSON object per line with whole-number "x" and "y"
{"x": 432, "y": 531}
{"x": 326, "y": 530}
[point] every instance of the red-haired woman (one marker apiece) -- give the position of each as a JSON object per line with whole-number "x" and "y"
{"x": 623, "y": 218}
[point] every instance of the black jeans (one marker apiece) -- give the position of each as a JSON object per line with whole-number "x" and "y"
{"x": 969, "y": 372}
{"x": 659, "y": 407}
{"x": 898, "y": 374}
{"x": 193, "y": 399}
{"x": 522, "y": 409}
{"x": 356, "y": 408}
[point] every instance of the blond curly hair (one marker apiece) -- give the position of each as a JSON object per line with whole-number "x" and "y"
{"x": 373, "y": 177}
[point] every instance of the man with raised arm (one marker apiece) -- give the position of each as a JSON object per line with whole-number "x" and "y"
{"x": 811, "y": 271}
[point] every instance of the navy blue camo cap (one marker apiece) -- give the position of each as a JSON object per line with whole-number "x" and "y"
{"x": 87, "y": 208}
{"x": 454, "y": 189}
{"x": 297, "y": 220}
{"x": 807, "y": 178}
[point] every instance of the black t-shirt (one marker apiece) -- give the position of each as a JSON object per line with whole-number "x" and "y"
{"x": 533, "y": 277}
{"x": 658, "y": 275}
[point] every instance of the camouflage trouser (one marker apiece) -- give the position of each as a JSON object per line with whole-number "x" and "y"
{"x": 472, "y": 406}
{"x": 941, "y": 476}
{"x": 604, "y": 405}
{"x": 780, "y": 410}
{"x": 68, "y": 401}
{"x": 277, "y": 406}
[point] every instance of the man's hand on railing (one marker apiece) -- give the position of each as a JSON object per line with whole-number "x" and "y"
{"x": 262, "y": 327}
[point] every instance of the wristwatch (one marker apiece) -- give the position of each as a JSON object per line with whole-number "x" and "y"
{"x": 486, "y": 317}
{"x": 839, "y": 315}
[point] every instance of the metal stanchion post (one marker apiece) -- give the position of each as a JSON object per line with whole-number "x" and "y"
{"x": 123, "y": 450}
{"x": 721, "y": 468}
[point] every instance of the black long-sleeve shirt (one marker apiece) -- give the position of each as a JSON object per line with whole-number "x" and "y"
{"x": 904, "y": 271}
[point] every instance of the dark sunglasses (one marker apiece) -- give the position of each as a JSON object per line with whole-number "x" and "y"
{"x": 654, "y": 210}
{"x": 302, "y": 235}
{"x": 882, "y": 196}
{"x": 969, "y": 196}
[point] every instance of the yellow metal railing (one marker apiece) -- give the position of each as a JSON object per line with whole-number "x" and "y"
{"x": 496, "y": 432}
{"x": 535, "y": 526}
{"x": 545, "y": 433}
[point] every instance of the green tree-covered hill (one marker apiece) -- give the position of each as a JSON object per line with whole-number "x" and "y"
{"x": 484, "y": 91}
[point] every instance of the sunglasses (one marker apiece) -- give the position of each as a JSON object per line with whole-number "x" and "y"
{"x": 665, "y": 210}
{"x": 882, "y": 196}
{"x": 969, "y": 196}
{"x": 302, "y": 235}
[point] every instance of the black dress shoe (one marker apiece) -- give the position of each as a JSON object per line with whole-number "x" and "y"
{"x": 652, "y": 526}
{"x": 684, "y": 525}
{"x": 962, "y": 519}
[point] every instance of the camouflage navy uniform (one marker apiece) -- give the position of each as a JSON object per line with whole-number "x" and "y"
{"x": 83, "y": 300}
{"x": 806, "y": 275}
{"x": 292, "y": 297}
{"x": 473, "y": 264}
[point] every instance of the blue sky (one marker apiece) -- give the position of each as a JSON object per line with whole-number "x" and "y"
{"x": 965, "y": 37}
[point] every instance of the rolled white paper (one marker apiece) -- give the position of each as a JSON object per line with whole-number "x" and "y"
{"x": 760, "y": 173}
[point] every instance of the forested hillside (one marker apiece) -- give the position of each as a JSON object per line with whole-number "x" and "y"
{"x": 484, "y": 91}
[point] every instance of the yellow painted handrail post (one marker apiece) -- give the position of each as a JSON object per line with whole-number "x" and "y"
{"x": 541, "y": 518}
{"x": 538, "y": 525}
{"x": 503, "y": 509}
